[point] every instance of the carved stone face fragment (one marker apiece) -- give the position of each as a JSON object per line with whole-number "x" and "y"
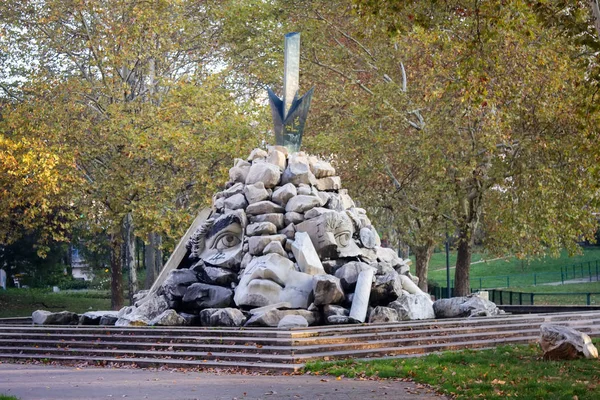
{"x": 272, "y": 279}
{"x": 332, "y": 235}
{"x": 218, "y": 242}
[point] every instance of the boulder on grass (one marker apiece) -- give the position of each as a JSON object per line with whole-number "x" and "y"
{"x": 564, "y": 343}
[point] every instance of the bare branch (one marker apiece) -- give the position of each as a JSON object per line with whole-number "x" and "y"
{"x": 9, "y": 92}
{"x": 346, "y": 35}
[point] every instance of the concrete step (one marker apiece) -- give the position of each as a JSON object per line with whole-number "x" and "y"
{"x": 156, "y": 362}
{"x": 320, "y": 335}
{"x": 168, "y": 354}
{"x": 292, "y": 364}
{"x": 266, "y": 348}
{"x": 368, "y": 342}
{"x": 373, "y": 347}
{"x": 107, "y": 338}
{"x": 132, "y": 345}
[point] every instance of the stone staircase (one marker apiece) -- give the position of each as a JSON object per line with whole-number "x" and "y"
{"x": 266, "y": 349}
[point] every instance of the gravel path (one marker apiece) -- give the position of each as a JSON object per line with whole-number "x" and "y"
{"x": 38, "y": 382}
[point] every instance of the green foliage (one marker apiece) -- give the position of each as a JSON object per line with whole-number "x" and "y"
{"x": 7, "y": 397}
{"x": 22, "y": 259}
{"x": 506, "y": 371}
{"x": 73, "y": 284}
{"x": 127, "y": 111}
{"x": 491, "y": 127}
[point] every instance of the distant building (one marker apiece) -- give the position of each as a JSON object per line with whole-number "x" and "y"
{"x": 79, "y": 267}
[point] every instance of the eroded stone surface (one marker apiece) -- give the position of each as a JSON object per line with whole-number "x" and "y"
{"x": 43, "y": 317}
{"x": 273, "y": 317}
{"x": 564, "y": 343}
{"x": 201, "y": 295}
{"x": 256, "y": 192}
{"x": 306, "y": 256}
{"x": 327, "y": 289}
{"x": 348, "y": 274}
{"x": 168, "y": 318}
{"x": 413, "y": 307}
{"x": 302, "y": 203}
{"x": 292, "y": 321}
{"x": 264, "y": 207}
{"x": 469, "y": 306}
{"x": 382, "y": 314}
{"x": 283, "y": 194}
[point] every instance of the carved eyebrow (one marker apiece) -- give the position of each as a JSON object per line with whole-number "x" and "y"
{"x": 223, "y": 223}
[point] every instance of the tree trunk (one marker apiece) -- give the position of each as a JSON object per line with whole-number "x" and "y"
{"x": 596, "y": 15}
{"x": 153, "y": 257}
{"x": 422, "y": 256}
{"x": 116, "y": 270}
{"x": 128, "y": 254}
{"x": 462, "y": 284}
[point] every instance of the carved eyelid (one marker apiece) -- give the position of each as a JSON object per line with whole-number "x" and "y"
{"x": 225, "y": 232}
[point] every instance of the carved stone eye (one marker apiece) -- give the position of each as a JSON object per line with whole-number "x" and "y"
{"x": 343, "y": 238}
{"x": 226, "y": 241}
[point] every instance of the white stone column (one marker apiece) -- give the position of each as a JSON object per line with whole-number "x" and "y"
{"x": 360, "y": 302}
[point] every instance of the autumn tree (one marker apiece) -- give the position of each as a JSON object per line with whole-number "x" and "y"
{"x": 130, "y": 96}
{"x": 451, "y": 116}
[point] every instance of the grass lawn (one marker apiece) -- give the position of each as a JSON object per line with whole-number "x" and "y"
{"x": 22, "y": 302}
{"x": 7, "y": 397}
{"x": 500, "y": 373}
{"x": 546, "y": 269}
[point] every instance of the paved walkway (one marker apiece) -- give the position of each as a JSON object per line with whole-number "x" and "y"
{"x": 28, "y": 382}
{"x": 579, "y": 280}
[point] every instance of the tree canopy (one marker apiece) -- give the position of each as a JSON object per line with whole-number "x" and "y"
{"x": 456, "y": 116}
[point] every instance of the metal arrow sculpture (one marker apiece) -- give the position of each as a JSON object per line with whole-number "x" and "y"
{"x": 289, "y": 113}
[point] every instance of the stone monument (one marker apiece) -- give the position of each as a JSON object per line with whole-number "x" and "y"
{"x": 283, "y": 245}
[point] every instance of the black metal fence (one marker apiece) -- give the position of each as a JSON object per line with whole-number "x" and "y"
{"x": 502, "y": 297}
{"x": 508, "y": 297}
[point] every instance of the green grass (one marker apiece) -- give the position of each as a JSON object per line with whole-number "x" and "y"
{"x": 7, "y": 397}
{"x": 547, "y": 269}
{"x": 22, "y": 302}
{"x": 506, "y": 371}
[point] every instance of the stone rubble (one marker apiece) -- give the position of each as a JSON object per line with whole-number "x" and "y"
{"x": 285, "y": 246}
{"x": 297, "y": 252}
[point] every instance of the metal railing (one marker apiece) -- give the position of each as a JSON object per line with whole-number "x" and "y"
{"x": 502, "y": 297}
{"x": 508, "y": 297}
